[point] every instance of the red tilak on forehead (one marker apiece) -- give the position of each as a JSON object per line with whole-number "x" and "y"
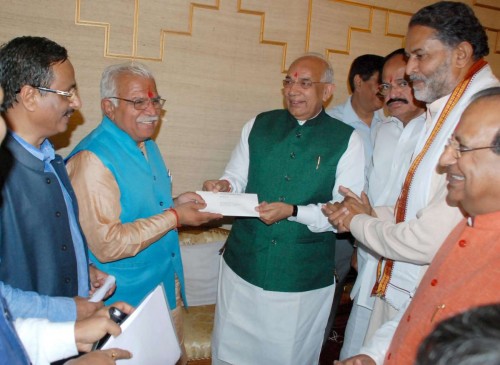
{"x": 150, "y": 94}
{"x": 295, "y": 74}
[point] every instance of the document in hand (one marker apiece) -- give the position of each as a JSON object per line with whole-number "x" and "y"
{"x": 230, "y": 204}
{"x": 148, "y": 333}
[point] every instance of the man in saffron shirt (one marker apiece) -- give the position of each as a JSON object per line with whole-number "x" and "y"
{"x": 465, "y": 271}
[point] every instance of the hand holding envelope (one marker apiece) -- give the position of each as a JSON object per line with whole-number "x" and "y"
{"x": 230, "y": 204}
{"x": 188, "y": 208}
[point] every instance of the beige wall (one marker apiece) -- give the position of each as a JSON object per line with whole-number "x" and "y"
{"x": 218, "y": 63}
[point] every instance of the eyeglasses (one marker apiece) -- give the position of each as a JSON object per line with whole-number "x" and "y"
{"x": 142, "y": 104}
{"x": 303, "y": 83}
{"x": 67, "y": 94}
{"x": 385, "y": 88}
{"x": 455, "y": 145}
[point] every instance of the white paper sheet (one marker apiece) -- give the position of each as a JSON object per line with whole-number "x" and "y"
{"x": 148, "y": 333}
{"x": 230, "y": 204}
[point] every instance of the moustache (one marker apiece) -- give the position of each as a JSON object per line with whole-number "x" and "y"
{"x": 397, "y": 100}
{"x": 415, "y": 77}
{"x": 148, "y": 120}
{"x": 69, "y": 112}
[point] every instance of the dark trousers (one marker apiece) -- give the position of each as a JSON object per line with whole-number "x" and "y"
{"x": 343, "y": 253}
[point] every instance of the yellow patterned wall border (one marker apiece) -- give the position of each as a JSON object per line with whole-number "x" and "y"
{"x": 389, "y": 12}
{"x": 262, "y": 30}
{"x": 262, "y": 39}
{"x": 163, "y": 32}
{"x": 495, "y": 30}
{"x": 372, "y": 8}
{"x": 188, "y": 32}
{"x": 478, "y": 4}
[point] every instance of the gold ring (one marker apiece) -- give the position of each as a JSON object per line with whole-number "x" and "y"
{"x": 113, "y": 355}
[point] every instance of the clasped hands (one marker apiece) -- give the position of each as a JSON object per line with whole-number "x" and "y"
{"x": 340, "y": 214}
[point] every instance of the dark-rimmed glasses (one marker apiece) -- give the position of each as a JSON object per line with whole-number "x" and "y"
{"x": 142, "y": 104}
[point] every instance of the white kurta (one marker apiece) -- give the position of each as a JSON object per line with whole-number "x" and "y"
{"x": 254, "y": 326}
{"x": 346, "y": 114}
{"x": 392, "y": 153}
{"x": 279, "y": 328}
{"x": 428, "y": 222}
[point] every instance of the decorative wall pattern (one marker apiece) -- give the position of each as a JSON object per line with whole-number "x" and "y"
{"x": 217, "y": 62}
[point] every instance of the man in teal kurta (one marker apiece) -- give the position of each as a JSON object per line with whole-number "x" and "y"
{"x": 124, "y": 192}
{"x": 277, "y": 274}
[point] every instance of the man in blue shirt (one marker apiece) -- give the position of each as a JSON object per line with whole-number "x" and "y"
{"x": 42, "y": 249}
{"x": 76, "y": 337}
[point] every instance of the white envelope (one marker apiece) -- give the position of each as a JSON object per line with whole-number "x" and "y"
{"x": 230, "y": 204}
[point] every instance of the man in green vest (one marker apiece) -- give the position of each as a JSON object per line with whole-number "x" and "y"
{"x": 277, "y": 274}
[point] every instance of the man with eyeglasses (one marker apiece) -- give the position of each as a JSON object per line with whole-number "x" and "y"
{"x": 124, "y": 191}
{"x": 44, "y": 269}
{"x": 276, "y": 282}
{"x": 465, "y": 271}
{"x": 445, "y": 45}
{"x": 395, "y": 140}
{"x": 362, "y": 111}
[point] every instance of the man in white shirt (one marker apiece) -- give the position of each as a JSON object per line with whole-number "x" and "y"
{"x": 395, "y": 140}
{"x": 362, "y": 111}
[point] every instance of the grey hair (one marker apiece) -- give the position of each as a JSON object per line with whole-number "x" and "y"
{"x": 110, "y": 75}
{"x": 328, "y": 75}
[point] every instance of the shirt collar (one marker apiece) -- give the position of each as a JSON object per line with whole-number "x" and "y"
{"x": 45, "y": 153}
{"x": 301, "y": 122}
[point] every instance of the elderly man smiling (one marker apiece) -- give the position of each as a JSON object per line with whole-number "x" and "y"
{"x": 465, "y": 271}
{"x": 277, "y": 275}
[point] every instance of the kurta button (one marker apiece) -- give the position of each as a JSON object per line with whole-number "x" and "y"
{"x": 292, "y": 155}
{"x": 462, "y": 243}
{"x": 287, "y": 178}
{"x": 161, "y": 204}
{"x": 434, "y": 282}
{"x": 64, "y": 247}
{"x": 281, "y": 198}
{"x": 173, "y": 254}
{"x": 47, "y": 180}
{"x": 298, "y": 134}
{"x": 274, "y": 242}
{"x": 389, "y": 356}
{"x": 408, "y": 318}
{"x": 154, "y": 178}
{"x": 67, "y": 280}
{"x": 58, "y": 214}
